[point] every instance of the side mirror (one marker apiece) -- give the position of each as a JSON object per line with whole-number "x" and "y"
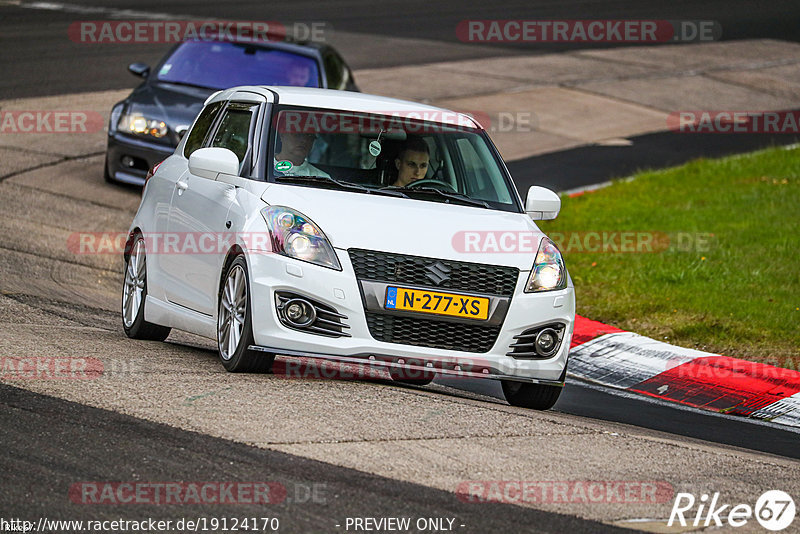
{"x": 211, "y": 162}
{"x": 542, "y": 204}
{"x": 141, "y": 70}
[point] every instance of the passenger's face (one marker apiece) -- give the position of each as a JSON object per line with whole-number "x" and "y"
{"x": 411, "y": 166}
{"x": 295, "y": 147}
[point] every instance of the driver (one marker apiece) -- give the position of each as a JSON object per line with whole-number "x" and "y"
{"x": 412, "y": 161}
{"x": 294, "y": 149}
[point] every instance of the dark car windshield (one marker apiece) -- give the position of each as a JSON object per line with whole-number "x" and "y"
{"x": 218, "y": 64}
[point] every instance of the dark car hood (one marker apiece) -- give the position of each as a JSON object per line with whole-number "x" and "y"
{"x": 177, "y": 105}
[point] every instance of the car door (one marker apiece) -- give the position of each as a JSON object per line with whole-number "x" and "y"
{"x": 161, "y": 188}
{"x": 198, "y": 212}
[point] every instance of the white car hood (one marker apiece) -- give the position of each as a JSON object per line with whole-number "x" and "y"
{"x": 414, "y": 227}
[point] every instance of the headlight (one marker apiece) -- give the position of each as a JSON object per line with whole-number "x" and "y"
{"x": 137, "y": 124}
{"x": 548, "y": 271}
{"x": 295, "y": 235}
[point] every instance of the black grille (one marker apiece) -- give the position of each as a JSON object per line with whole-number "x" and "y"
{"x": 463, "y": 276}
{"x": 431, "y": 333}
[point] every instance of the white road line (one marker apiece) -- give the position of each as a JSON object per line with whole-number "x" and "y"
{"x": 109, "y": 12}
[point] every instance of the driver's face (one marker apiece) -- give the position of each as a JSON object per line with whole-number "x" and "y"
{"x": 295, "y": 147}
{"x": 299, "y": 75}
{"x": 411, "y": 166}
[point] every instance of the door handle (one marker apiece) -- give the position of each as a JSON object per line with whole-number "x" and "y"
{"x": 182, "y": 186}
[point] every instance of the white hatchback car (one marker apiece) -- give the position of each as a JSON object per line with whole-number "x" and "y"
{"x": 353, "y": 228}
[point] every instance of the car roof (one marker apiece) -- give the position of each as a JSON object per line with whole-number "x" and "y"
{"x": 349, "y": 101}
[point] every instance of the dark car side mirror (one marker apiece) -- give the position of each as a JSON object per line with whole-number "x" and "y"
{"x": 139, "y": 69}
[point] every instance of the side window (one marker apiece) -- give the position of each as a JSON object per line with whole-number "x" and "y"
{"x": 334, "y": 68}
{"x": 233, "y": 131}
{"x": 480, "y": 183}
{"x": 201, "y": 127}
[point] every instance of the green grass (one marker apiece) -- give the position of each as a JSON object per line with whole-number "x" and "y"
{"x": 739, "y": 295}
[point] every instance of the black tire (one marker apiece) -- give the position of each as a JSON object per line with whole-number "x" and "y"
{"x": 534, "y": 396}
{"x": 242, "y": 359}
{"x": 139, "y": 328}
{"x": 411, "y": 377}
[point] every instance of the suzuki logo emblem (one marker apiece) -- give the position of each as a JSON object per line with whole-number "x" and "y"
{"x": 437, "y": 273}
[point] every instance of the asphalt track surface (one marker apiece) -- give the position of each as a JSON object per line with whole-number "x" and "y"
{"x": 37, "y": 60}
{"x": 49, "y": 443}
{"x": 594, "y": 164}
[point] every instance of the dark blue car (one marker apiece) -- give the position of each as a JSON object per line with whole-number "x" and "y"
{"x": 145, "y": 128}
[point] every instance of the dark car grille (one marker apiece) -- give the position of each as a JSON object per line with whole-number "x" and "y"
{"x": 431, "y": 333}
{"x": 463, "y": 276}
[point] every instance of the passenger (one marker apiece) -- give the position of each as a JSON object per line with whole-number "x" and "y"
{"x": 294, "y": 149}
{"x": 412, "y": 161}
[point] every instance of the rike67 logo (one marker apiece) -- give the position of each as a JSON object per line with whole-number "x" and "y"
{"x": 774, "y": 510}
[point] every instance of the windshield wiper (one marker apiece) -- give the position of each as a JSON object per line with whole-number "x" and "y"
{"x": 344, "y": 185}
{"x": 189, "y": 84}
{"x": 450, "y": 195}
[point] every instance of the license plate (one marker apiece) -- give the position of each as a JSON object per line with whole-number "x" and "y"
{"x": 453, "y": 305}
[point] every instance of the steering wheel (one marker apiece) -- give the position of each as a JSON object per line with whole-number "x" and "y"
{"x": 436, "y": 184}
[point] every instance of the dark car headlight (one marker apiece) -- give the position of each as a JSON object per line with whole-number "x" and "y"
{"x": 138, "y": 124}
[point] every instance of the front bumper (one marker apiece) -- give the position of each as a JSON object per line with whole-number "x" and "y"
{"x": 270, "y": 273}
{"x": 142, "y": 153}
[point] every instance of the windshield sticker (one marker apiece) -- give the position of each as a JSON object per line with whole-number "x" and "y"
{"x": 375, "y": 148}
{"x": 165, "y": 69}
{"x": 283, "y": 166}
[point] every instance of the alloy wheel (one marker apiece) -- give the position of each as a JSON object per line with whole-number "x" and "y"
{"x": 232, "y": 311}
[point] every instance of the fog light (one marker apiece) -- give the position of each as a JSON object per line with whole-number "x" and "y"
{"x": 299, "y": 312}
{"x": 546, "y": 342}
{"x": 127, "y": 161}
{"x": 294, "y": 311}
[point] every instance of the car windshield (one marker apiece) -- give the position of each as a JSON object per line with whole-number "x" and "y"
{"x": 432, "y": 155}
{"x": 219, "y": 64}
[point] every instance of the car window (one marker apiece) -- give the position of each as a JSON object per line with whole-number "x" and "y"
{"x": 333, "y": 71}
{"x": 218, "y": 65}
{"x": 200, "y": 130}
{"x": 233, "y": 131}
{"x": 478, "y": 177}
